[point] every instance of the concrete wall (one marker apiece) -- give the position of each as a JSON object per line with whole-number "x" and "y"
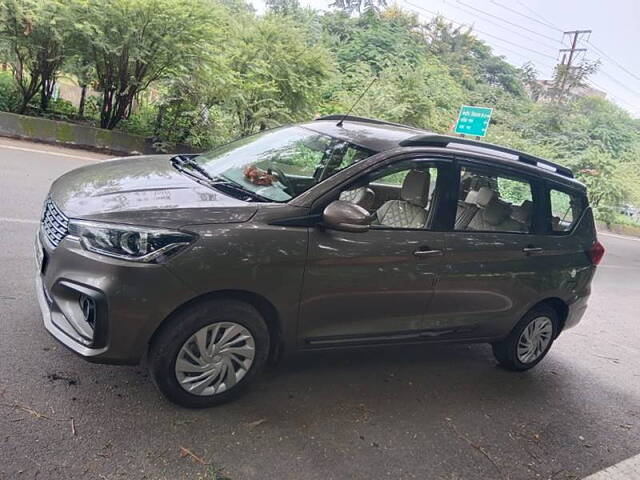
{"x": 70, "y": 134}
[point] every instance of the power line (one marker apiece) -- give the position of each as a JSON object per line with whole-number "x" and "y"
{"x": 524, "y": 15}
{"x": 507, "y": 21}
{"x": 622, "y": 67}
{"x": 545, "y": 64}
{"x": 611, "y": 77}
{"x": 545, "y": 21}
{"x": 434, "y": 14}
{"x": 599, "y": 87}
{"x": 505, "y": 28}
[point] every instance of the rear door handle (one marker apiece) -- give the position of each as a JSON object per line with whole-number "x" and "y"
{"x": 532, "y": 250}
{"x": 427, "y": 253}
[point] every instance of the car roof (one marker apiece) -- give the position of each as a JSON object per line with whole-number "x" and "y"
{"x": 379, "y": 136}
{"x": 373, "y": 135}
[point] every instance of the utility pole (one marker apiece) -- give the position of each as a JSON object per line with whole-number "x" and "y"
{"x": 575, "y": 34}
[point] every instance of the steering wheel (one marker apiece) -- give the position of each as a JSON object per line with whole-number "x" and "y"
{"x": 284, "y": 180}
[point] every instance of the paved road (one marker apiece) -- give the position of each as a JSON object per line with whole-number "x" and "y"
{"x": 437, "y": 412}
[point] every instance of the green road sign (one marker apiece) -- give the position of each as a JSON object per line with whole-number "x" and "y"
{"x": 473, "y": 121}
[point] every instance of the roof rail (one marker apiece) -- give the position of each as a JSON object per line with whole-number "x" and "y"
{"x": 435, "y": 140}
{"x": 374, "y": 121}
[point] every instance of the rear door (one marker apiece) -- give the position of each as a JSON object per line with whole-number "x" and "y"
{"x": 491, "y": 249}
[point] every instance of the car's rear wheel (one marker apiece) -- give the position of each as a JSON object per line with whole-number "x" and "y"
{"x": 208, "y": 353}
{"x": 529, "y": 341}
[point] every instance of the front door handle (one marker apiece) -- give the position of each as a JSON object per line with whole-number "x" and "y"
{"x": 532, "y": 250}
{"x": 427, "y": 253}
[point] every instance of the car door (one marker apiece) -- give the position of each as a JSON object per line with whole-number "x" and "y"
{"x": 491, "y": 250}
{"x": 374, "y": 286}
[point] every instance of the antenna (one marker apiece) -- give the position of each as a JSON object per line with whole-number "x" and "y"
{"x": 339, "y": 124}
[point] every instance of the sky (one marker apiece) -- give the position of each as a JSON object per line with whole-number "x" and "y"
{"x": 532, "y": 30}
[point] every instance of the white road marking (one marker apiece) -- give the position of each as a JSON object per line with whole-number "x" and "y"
{"x": 628, "y": 469}
{"x": 622, "y": 237}
{"x": 17, "y": 220}
{"x": 35, "y": 150}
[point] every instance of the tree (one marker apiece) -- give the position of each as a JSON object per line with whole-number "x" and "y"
{"x": 283, "y": 7}
{"x": 566, "y": 80}
{"x": 34, "y": 34}
{"x": 278, "y": 73}
{"x": 529, "y": 78}
{"x": 82, "y": 68}
{"x": 375, "y": 38}
{"x": 471, "y": 61}
{"x": 422, "y": 95}
{"x": 184, "y": 109}
{"x": 133, "y": 43}
{"x": 358, "y": 6}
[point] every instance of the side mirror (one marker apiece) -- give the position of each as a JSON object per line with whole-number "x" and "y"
{"x": 346, "y": 216}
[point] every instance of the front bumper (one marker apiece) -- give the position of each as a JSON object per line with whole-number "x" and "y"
{"x": 62, "y": 329}
{"x": 131, "y": 301}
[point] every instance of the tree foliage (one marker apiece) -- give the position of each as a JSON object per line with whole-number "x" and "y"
{"x": 278, "y": 71}
{"x": 34, "y": 34}
{"x": 133, "y": 43}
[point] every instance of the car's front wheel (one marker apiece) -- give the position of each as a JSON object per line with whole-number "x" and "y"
{"x": 209, "y": 352}
{"x": 529, "y": 341}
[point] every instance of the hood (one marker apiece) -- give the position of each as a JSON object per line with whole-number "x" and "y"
{"x": 145, "y": 190}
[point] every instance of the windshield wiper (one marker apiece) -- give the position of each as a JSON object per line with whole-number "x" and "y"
{"x": 182, "y": 161}
{"x": 235, "y": 188}
{"x": 186, "y": 163}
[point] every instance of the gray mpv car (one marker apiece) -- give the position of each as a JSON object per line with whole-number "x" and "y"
{"x": 344, "y": 231}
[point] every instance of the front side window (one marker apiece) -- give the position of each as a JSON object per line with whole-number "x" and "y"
{"x": 493, "y": 202}
{"x": 565, "y": 210}
{"x": 278, "y": 165}
{"x": 400, "y": 196}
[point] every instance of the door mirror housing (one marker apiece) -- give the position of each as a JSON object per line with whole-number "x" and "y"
{"x": 346, "y": 217}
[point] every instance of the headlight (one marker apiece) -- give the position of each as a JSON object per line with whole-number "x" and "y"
{"x": 138, "y": 244}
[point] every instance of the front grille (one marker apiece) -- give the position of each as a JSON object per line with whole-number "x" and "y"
{"x": 55, "y": 224}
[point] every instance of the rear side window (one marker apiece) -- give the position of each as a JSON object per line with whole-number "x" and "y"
{"x": 493, "y": 202}
{"x": 566, "y": 208}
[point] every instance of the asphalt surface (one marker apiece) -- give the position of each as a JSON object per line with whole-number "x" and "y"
{"x": 436, "y": 412}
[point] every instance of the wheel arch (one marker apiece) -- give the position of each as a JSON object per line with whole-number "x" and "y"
{"x": 260, "y": 303}
{"x": 560, "y": 306}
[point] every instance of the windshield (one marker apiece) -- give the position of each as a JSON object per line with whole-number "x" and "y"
{"x": 278, "y": 165}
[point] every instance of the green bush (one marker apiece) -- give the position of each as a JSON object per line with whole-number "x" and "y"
{"x": 9, "y": 97}
{"x": 611, "y": 216}
{"x": 61, "y": 109}
{"x": 140, "y": 122}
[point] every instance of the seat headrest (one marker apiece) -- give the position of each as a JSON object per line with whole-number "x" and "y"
{"x": 523, "y": 212}
{"x": 481, "y": 197}
{"x": 415, "y": 188}
{"x": 496, "y": 211}
{"x": 362, "y": 196}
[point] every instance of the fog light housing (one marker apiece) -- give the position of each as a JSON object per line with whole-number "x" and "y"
{"x": 88, "y": 309}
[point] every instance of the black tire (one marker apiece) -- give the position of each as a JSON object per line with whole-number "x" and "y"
{"x": 506, "y": 351}
{"x": 168, "y": 341}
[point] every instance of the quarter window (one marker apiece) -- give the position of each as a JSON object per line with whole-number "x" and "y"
{"x": 565, "y": 210}
{"x": 492, "y": 202}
